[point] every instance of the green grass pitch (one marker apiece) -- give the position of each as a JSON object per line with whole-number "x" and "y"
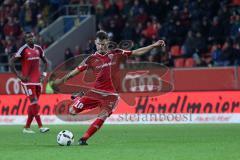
{"x": 126, "y": 142}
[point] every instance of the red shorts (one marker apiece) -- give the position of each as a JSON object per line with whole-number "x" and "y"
{"x": 92, "y": 100}
{"x": 32, "y": 91}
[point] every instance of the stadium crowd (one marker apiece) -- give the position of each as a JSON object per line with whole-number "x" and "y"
{"x": 18, "y": 16}
{"x": 197, "y": 33}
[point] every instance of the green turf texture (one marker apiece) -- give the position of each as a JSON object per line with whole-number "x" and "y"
{"x": 126, "y": 142}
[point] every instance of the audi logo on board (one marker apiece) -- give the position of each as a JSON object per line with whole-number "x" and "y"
{"x": 141, "y": 83}
{"x": 13, "y": 86}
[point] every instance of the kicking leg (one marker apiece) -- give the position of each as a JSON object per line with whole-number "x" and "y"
{"x": 109, "y": 104}
{"x": 81, "y": 104}
{"x": 94, "y": 127}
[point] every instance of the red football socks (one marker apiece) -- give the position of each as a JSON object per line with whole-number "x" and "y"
{"x": 29, "y": 121}
{"x": 93, "y": 128}
{"x": 30, "y": 116}
{"x": 39, "y": 121}
{"x": 33, "y": 110}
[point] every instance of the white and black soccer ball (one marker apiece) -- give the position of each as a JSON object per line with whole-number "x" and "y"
{"x": 65, "y": 138}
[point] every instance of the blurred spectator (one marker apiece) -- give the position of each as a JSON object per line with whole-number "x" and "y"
{"x": 198, "y": 60}
{"x": 216, "y": 54}
{"x": 1, "y": 47}
{"x": 226, "y": 56}
{"x": 40, "y": 22}
{"x": 237, "y": 53}
{"x": 77, "y": 51}
{"x": 200, "y": 43}
{"x": 10, "y": 46}
{"x": 135, "y": 9}
{"x": 150, "y": 30}
{"x": 188, "y": 47}
{"x": 141, "y": 17}
{"x": 204, "y": 28}
{"x": 127, "y": 32}
{"x": 29, "y": 16}
{"x": 229, "y": 53}
{"x": 68, "y": 54}
{"x": 234, "y": 26}
{"x": 216, "y": 31}
{"x": 11, "y": 28}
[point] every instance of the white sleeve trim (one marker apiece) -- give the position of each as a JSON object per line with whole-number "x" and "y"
{"x": 19, "y": 52}
{"x": 43, "y": 53}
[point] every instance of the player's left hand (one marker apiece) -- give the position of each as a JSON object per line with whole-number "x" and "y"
{"x": 159, "y": 43}
{"x": 42, "y": 78}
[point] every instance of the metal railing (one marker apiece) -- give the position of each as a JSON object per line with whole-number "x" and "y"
{"x": 4, "y": 59}
{"x": 4, "y": 63}
{"x": 59, "y": 27}
{"x": 72, "y": 9}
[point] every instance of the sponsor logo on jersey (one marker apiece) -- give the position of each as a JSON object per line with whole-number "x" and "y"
{"x": 106, "y": 65}
{"x": 33, "y": 58}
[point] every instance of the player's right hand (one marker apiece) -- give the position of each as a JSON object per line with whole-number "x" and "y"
{"x": 42, "y": 78}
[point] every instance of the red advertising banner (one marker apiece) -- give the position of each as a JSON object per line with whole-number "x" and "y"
{"x": 187, "y": 102}
{"x": 175, "y": 102}
{"x": 10, "y": 84}
{"x": 194, "y": 79}
{"x": 205, "y": 79}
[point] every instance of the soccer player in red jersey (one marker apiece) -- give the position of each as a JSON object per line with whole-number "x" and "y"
{"x": 31, "y": 78}
{"x": 103, "y": 94}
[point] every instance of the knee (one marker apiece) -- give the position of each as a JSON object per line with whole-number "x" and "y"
{"x": 33, "y": 100}
{"x": 35, "y": 110}
{"x": 71, "y": 110}
{"x": 104, "y": 115}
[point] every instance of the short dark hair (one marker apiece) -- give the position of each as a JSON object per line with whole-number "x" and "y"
{"x": 27, "y": 33}
{"x": 102, "y": 35}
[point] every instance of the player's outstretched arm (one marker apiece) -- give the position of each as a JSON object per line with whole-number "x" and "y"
{"x": 66, "y": 77}
{"x": 12, "y": 66}
{"x": 143, "y": 50}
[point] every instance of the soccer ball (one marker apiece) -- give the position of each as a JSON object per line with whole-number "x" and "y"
{"x": 65, "y": 138}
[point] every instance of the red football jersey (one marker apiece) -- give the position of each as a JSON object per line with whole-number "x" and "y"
{"x": 102, "y": 66}
{"x": 30, "y": 61}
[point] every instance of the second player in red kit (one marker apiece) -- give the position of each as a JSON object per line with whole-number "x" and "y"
{"x": 31, "y": 77}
